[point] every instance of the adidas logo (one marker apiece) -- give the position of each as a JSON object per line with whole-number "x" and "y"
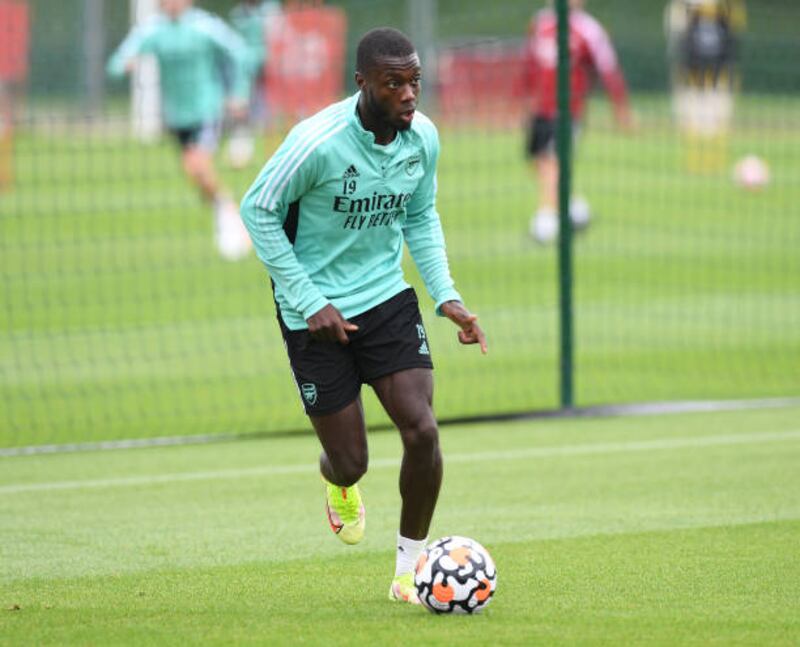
{"x": 423, "y": 348}
{"x": 351, "y": 171}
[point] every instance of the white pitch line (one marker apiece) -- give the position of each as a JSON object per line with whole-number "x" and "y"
{"x": 507, "y": 455}
{"x": 594, "y": 411}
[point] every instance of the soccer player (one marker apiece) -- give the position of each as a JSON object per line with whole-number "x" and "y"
{"x": 590, "y": 50}
{"x": 14, "y": 46}
{"x": 328, "y": 215}
{"x": 254, "y": 20}
{"x": 191, "y": 47}
{"x": 703, "y": 46}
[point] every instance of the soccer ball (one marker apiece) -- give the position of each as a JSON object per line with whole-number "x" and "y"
{"x": 751, "y": 172}
{"x": 455, "y": 575}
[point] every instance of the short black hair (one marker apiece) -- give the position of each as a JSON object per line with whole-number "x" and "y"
{"x": 379, "y": 43}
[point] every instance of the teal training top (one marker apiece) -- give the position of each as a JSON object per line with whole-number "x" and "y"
{"x": 253, "y": 22}
{"x": 191, "y": 51}
{"x": 330, "y": 210}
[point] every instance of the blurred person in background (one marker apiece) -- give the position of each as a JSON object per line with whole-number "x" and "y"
{"x": 703, "y": 48}
{"x": 192, "y": 47}
{"x": 14, "y": 68}
{"x": 591, "y": 51}
{"x": 329, "y": 215}
{"x": 255, "y": 20}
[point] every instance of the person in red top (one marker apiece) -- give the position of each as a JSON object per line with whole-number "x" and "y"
{"x": 591, "y": 54}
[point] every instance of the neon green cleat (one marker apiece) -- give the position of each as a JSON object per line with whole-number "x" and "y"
{"x": 403, "y": 589}
{"x": 345, "y": 512}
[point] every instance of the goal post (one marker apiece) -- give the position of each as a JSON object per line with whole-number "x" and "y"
{"x": 145, "y": 89}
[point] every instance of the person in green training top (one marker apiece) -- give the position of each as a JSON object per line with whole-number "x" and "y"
{"x": 191, "y": 47}
{"x": 328, "y": 215}
{"x": 254, "y": 20}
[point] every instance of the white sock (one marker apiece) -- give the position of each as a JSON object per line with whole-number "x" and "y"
{"x": 408, "y": 551}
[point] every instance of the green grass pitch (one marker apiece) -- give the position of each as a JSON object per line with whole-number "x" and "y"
{"x": 671, "y": 530}
{"x": 118, "y": 320}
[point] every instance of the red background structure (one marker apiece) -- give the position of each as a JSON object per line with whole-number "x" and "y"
{"x": 481, "y": 83}
{"x": 306, "y": 61}
{"x": 13, "y": 41}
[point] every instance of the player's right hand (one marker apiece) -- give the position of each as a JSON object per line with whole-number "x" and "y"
{"x": 237, "y": 109}
{"x": 328, "y": 324}
{"x": 627, "y": 121}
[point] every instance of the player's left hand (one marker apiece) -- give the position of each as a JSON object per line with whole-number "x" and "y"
{"x": 470, "y": 332}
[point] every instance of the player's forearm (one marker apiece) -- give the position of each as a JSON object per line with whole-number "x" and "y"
{"x": 235, "y": 49}
{"x": 295, "y": 285}
{"x": 617, "y": 90}
{"x": 426, "y": 245}
{"x": 118, "y": 65}
{"x": 242, "y": 83}
{"x": 277, "y": 254}
{"x": 125, "y": 55}
{"x": 242, "y": 75}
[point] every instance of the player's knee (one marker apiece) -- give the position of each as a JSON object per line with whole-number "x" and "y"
{"x": 422, "y": 440}
{"x": 349, "y": 466}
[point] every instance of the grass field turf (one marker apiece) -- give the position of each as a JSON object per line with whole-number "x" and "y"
{"x": 666, "y": 530}
{"x": 119, "y": 320}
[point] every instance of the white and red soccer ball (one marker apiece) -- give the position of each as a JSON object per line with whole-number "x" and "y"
{"x": 455, "y": 575}
{"x": 751, "y": 172}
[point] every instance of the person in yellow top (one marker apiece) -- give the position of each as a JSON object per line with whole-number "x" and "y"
{"x": 703, "y": 41}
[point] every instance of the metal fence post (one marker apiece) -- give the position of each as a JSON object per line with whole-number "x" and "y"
{"x": 564, "y": 145}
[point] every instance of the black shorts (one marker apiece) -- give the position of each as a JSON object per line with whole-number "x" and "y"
{"x": 205, "y": 136}
{"x": 540, "y": 138}
{"x": 329, "y": 375}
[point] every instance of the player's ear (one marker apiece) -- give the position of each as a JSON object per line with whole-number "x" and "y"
{"x": 360, "y": 80}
